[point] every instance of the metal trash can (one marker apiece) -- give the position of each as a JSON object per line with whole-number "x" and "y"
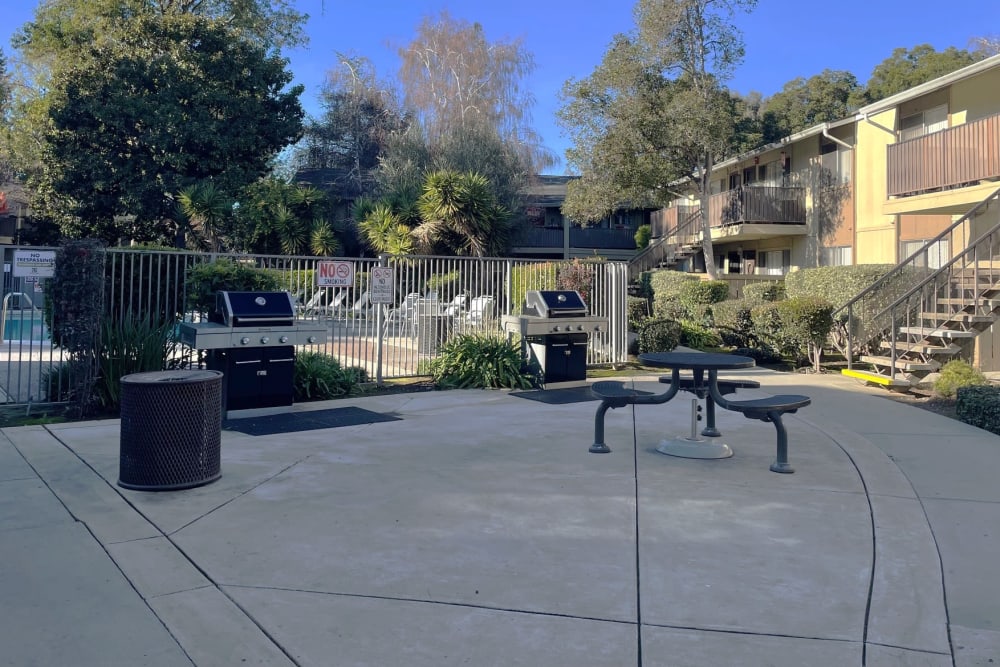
{"x": 171, "y": 430}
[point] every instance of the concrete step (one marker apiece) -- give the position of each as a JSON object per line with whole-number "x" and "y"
{"x": 964, "y": 318}
{"x": 920, "y": 348}
{"x": 938, "y": 332}
{"x": 909, "y": 365}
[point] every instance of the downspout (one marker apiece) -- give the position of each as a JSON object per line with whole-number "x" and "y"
{"x": 827, "y": 135}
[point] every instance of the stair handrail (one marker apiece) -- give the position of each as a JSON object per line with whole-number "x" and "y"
{"x": 883, "y": 281}
{"x": 637, "y": 264}
{"x": 893, "y": 308}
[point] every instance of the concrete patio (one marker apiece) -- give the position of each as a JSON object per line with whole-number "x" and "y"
{"x": 476, "y": 529}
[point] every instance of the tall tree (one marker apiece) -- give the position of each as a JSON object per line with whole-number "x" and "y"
{"x": 176, "y": 100}
{"x": 360, "y": 114}
{"x": 986, "y": 46}
{"x": 802, "y": 103}
{"x": 655, "y": 109}
{"x": 65, "y": 32}
{"x": 453, "y": 77}
{"x": 907, "y": 68}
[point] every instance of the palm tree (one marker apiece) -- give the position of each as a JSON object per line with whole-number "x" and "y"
{"x": 384, "y": 230}
{"x": 207, "y": 211}
{"x": 458, "y": 211}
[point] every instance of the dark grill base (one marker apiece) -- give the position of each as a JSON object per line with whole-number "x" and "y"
{"x": 171, "y": 430}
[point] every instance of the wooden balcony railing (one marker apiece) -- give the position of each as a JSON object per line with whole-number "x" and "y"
{"x": 665, "y": 221}
{"x": 958, "y": 156}
{"x": 585, "y": 237}
{"x": 758, "y": 204}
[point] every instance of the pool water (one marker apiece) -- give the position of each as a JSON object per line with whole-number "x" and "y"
{"x": 26, "y": 328}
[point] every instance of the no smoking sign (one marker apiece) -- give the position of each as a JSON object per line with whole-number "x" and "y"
{"x": 334, "y": 274}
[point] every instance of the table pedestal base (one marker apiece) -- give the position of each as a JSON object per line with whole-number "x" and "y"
{"x": 694, "y": 449}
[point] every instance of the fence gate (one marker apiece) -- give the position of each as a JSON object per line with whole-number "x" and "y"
{"x": 28, "y": 361}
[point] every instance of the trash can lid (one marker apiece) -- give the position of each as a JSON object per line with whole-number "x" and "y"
{"x": 173, "y": 377}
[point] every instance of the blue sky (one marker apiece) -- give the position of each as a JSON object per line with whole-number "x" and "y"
{"x": 784, "y": 39}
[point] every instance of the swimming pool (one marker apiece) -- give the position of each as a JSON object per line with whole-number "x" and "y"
{"x": 25, "y": 327}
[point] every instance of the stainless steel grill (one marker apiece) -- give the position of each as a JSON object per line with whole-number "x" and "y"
{"x": 251, "y": 338}
{"x": 548, "y": 312}
{"x": 252, "y": 319}
{"x": 555, "y": 330}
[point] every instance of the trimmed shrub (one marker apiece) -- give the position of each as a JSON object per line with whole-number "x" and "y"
{"x": 764, "y": 292}
{"x": 836, "y": 284}
{"x": 204, "y": 281}
{"x": 762, "y": 354}
{"x": 733, "y": 323}
{"x": 796, "y": 328}
{"x": 659, "y": 335}
{"x": 638, "y": 312}
{"x": 955, "y": 374}
{"x": 979, "y": 405}
{"x": 320, "y": 377}
{"x": 482, "y": 360}
{"x": 698, "y": 337}
{"x": 642, "y": 236}
{"x": 666, "y": 286}
{"x": 703, "y": 292}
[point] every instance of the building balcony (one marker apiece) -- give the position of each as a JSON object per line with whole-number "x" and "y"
{"x": 747, "y": 212}
{"x": 758, "y": 204}
{"x": 583, "y": 238}
{"x": 959, "y": 157}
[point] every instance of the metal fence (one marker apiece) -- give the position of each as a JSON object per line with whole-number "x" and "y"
{"x": 434, "y": 299}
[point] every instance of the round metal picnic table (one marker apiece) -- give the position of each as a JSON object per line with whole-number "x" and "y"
{"x": 698, "y": 363}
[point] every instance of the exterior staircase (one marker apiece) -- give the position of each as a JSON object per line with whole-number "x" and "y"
{"x": 914, "y": 319}
{"x": 668, "y": 250}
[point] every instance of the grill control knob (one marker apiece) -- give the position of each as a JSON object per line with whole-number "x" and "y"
{"x": 264, "y": 340}
{"x": 283, "y": 340}
{"x": 579, "y": 327}
{"x": 556, "y": 328}
{"x": 312, "y": 339}
{"x": 244, "y": 341}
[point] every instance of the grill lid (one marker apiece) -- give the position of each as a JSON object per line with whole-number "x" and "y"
{"x": 255, "y": 309}
{"x": 554, "y": 303}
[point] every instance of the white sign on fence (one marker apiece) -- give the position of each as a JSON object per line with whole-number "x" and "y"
{"x": 334, "y": 274}
{"x": 40, "y": 263}
{"x": 380, "y": 285}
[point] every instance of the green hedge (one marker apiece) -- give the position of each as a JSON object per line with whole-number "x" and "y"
{"x": 204, "y": 281}
{"x": 796, "y": 327}
{"x": 659, "y": 335}
{"x": 666, "y": 286}
{"x": 979, "y": 406}
{"x": 764, "y": 292}
{"x": 638, "y": 312}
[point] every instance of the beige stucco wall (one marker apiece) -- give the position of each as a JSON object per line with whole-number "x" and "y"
{"x": 876, "y": 233}
{"x": 975, "y": 98}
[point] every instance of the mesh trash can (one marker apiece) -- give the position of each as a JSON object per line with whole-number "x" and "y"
{"x": 171, "y": 430}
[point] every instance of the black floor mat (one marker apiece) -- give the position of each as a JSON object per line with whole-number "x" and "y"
{"x": 557, "y": 396}
{"x": 311, "y": 420}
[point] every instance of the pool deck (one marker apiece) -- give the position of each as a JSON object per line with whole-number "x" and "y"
{"x": 476, "y": 529}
